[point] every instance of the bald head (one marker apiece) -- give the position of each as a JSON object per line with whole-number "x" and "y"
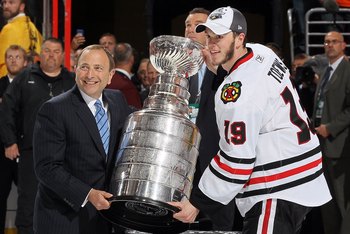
{"x": 334, "y": 46}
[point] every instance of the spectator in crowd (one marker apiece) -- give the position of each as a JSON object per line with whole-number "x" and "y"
{"x": 16, "y": 60}
{"x": 148, "y": 79}
{"x": 73, "y": 154}
{"x": 124, "y": 61}
{"x": 142, "y": 72}
{"x": 300, "y": 7}
{"x": 21, "y": 101}
{"x": 19, "y": 30}
{"x": 299, "y": 60}
{"x": 202, "y": 102}
{"x": 108, "y": 41}
{"x": 269, "y": 160}
{"x": 141, "y": 75}
{"x": 303, "y": 76}
{"x": 152, "y": 74}
{"x": 136, "y": 77}
{"x": 77, "y": 41}
{"x": 331, "y": 119}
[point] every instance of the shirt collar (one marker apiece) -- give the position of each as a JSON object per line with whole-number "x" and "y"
{"x": 89, "y": 100}
{"x": 19, "y": 15}
{"x": 336, "y": 63}
{"x": 123, "y": 71}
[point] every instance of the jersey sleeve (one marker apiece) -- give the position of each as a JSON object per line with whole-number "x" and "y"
{"x": 239, "y": 124}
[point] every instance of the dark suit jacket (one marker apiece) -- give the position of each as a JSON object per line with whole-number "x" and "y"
{"x": 121, "y": 82}
{"x": 206, "y": 122}
{"x": 8, "y": 168}
{"x": 336, "y": 148}
{"x": 336, "y": 112}
{"x": 69, "y": 160}
{"x": 209, "y": 147}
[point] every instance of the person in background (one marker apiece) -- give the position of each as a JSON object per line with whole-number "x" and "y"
{"x": 148, "y": 79}
{"x": 152, "y": 74}
{"x": 300, "y": 7}
{"x": 74, "y": 154}
{"x": 108, "y": 41}
{"x": 16, "y": 60}
{"x": 269, "y": 160}
{"x": 299, "y": 60}
{"x": 124, "y": 61}
{"x": 202, "y": 102}
{"x": 141, "y": 75}
{"x": 19, "y": 30}
{"x": 21, "y": 101}
{"x": 77, "y": 41}
{"x": 142, "y": 72}
{"x": 331, "y": 118}
{"x": 303, "y": 76}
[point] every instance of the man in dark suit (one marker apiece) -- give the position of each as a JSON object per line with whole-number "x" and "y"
{"x": 331, "y": 117}
{"x": 21, "y": 101}
{"x": 203, "y": 93}
{"x": 71, "y": 160}
{"x": 15, "y": 60}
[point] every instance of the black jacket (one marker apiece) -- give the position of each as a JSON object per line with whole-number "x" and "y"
{"x": 4, "y": 83}
{"x": 22, "y": 100}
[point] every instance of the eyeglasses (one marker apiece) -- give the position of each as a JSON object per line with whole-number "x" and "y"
{"x": 332, "y": 42}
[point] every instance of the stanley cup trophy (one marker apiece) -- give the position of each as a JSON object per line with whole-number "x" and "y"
{"x": 159, "y": 148}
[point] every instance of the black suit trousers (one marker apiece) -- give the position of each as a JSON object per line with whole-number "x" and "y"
{"x": 27, "y": 188}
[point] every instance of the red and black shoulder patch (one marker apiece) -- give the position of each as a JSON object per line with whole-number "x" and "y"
{"x": 231, "y": 92}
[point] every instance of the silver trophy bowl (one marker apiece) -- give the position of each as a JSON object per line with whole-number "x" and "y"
{"x": 158, "y": 151}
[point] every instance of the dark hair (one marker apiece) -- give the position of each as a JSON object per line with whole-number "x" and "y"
{"x": 99, "y": 47}
{"x": 108, "y": 35}
{"x": 235, "y": 34}
{"x": 122, "y": 53}
{"x": 275, "y": 48}
{"x": 54, "y": 40}
{"x": 301, "y": 56}
{"x": 199, "y": 10}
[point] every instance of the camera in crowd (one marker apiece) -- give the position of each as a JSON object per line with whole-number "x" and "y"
{"x": 314, "y": 66}
{"x": 304, "y": 74}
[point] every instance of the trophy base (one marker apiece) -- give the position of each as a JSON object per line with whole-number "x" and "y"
{"x": 143, "y": 214}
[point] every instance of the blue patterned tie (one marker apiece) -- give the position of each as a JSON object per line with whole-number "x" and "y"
{"x": 102, "y": 124}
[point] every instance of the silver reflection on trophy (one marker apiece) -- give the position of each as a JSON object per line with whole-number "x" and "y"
{"x": 159, "y": 147}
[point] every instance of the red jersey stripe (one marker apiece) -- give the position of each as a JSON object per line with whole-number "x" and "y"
{"x": 230, "y": 169}
{"x": 266, "y": 216}
{"x": 285, "y": 174}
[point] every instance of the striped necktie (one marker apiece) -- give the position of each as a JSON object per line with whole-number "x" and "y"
{"x": 102, "y": 124}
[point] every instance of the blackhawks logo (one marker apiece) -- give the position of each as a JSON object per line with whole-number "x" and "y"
{"x": 231, "y": 92}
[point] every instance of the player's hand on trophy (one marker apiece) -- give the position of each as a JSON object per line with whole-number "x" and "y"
{"x": 208, "y": 61}
{"x": 98, "y": 198}
{"x": 187, "y": 213}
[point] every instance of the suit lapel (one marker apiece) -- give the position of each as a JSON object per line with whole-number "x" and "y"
{"x": 335, "y": 76}
{"x": 206, "y": 86}
{"x": 87, "y": 119}
{"x": 113, "y": 110}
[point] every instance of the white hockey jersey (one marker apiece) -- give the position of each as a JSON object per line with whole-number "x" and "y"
{"x": 266, "y": 147}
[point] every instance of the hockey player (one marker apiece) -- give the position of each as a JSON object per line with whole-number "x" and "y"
{"x": 269, "y": 158}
